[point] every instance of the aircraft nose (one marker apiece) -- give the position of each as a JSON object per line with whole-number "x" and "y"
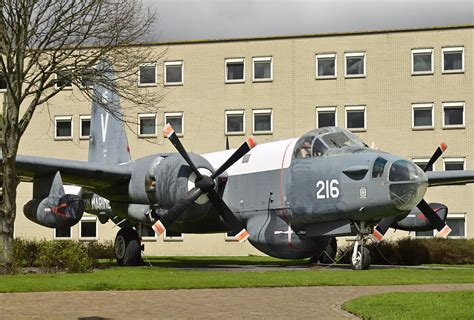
{"x": 408, "y": 184}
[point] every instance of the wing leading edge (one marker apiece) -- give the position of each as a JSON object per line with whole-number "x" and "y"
{"x": 454, "y": 177}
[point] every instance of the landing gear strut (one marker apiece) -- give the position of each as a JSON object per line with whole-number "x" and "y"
{"x": 360, "y": 259}
{"x": 127, "y": 248}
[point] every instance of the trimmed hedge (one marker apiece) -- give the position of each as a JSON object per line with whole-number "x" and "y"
{"x": 412, "y": 251}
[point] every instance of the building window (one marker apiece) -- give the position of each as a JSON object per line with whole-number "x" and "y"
{"x": 356, "y": 118}
{"x": 422, "y": 116}
{"x": 424, "y": 234}
{"x": 174, "y": 73}
{"x": 230, "y": 236}
{"x": 326, "y": 66}
{"x": 63, "y": 127}
{"x": 453, "y": 164}
{"x": 147, "y": 125}
{"x": 88, "y": 228}
{"x": 325, "y": 117}
{"x": 453, "y": 60}
{"x": 87, "y": 78}
{"x": 63, "y": 79}
{"x": 457, "y": 223}
{"x": 172, "y": 236}
{"x": 62, "y": 233}
{"x": 262, "y": 121}
{"x": 175, "y": 119}
{"x": 355, "y": 65}
{"x": 85, "y": 127}
{"x": 234, "y": 70}
{"x": 422, "y": 61}
{"x": 3, "y": 83}
{"x": 147, "y": 74}
{"x": 422, "y": 164}
{"x": 147, "y": 233}
{"x": 453, "y": 115}
{"x": 262, "y": 69}
{"x": 235, "y": 122}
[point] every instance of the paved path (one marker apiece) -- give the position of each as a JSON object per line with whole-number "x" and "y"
{"x": 271, "y": 303}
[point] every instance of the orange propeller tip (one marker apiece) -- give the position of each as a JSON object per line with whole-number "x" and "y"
{"x": 251, "y": 142}
{"x": 443, "y": 146}
{"x": 167, "y": 130}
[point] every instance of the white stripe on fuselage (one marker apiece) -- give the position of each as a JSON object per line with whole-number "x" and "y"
{"x": 264, "y": 157}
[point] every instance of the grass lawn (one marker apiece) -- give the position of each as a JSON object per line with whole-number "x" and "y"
{"x": 166, "y": 274}
{"x": 414, "y": 305}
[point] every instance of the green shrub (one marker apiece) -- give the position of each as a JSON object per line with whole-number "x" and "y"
{"x": 101, "y": 251}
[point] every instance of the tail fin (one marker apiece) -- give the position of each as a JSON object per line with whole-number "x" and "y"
{"x": 108, "y": 142}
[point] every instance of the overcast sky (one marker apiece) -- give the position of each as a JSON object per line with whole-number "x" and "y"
{"x": 217, "y": 19}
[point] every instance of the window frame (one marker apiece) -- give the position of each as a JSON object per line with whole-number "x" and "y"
{"x": 56, "y": 82}
{"x": 234, "y": 112}
{"x": 234, "y": 60}
{"x": 458, "y": 215}
{"x": 427, "y": 105}
{"x": 454, "y": 160}
{"x": 89, "y": 219}
{"x": 91, "y": 70}
{"x": 355, "y": 54}
{"x": 326, "y": 110}
{"x": 452, "y": 49}
{"x": 262, "y": 111}
{"x": 175, "y": 114}
{"x": 325, "y": 56}
{"x": 147, "y": 64}
{"x": 62, "y": 238}
{"x": 146, "y": 116}
{"x": 81, "y": 118}
{"x": 421, "y": 51}
{"x": 418, "y": 161}
{"x": 356, "y": 108}
{"x": 172, "y": 238}
{"x": 173, "y": 63}
{"x": 452, "y": 105}
{"x": 262, "y": 59}
{"x": 63, "y": 119}
{"x": 147, "y": 238}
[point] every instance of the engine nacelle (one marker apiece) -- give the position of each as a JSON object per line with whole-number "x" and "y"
{"x": 55, "y": 211}
{"x": 416, "y": 220}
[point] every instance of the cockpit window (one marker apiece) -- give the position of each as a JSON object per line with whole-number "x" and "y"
{"x": 379, "y": 166}
{"x": 319, "y": 148}
{"x": 402, "y": 170}
{"x": 303, "y": 147}
{"x": 337, "y": 140}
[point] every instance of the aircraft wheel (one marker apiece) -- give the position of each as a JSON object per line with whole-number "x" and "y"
{"x": 127, "y": 248}
{"x": 362, "y": 259}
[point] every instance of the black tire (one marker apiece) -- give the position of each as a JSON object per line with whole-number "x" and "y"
{"x": 362, "y": 261}
{"x": 127, "y": 248}
{"x": 329, "y": 254}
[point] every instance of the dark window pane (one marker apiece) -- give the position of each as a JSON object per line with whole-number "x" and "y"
{"x": 262, "y": 69}
{"x": 424, "y": 233}
{"x": 355, "y": 65}
{"x": 88, "y": 229}
{"x": 147, "y": 126}
{"x": 355, "y": 119}
{"x": 148, "y": 232}
{"x": 457, "y": 225}
{"x": 3, "y": 83}
{"x": 170, "y": 233}
{"x": 63, "y": 128}
{"x": 176, "y": 122}
{"x": 87, "y": 79}
{"x": 448, "y": 166}
{"x": 453, "y": 60}
{"x": 379, "y": 166}
{"x": 235, "y": 122}
{"x": 64, "y": 78}
{"x": 147, "y": 74}
{"x": 262, "y": 122}
{"x": 421, "y": 62}
{"x": 422, "y": 166}
{"x": 63, "y": 232}
{"x": 326, "y": 119}
{"x": 235, "y": 71}
{"x": 326, "y": 67}
{"x": 453, "y": 116}
{"x": 173, "y": 74}
{"x": 422, "y": 117}
{"x": 85, "y": 127}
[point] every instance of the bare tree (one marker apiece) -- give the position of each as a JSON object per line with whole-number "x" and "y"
{"x": 49, "y": 43}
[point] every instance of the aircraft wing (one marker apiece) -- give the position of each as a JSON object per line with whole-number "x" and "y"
{"x": 82, "y": 173}
{"x": 454, "y": 177}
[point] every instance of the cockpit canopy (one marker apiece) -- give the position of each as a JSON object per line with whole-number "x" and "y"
{"x": 323, "y": 141}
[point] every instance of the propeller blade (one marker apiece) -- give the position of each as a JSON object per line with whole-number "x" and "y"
{"x": 228, "y": 216}
{"x": 439, "y": 151}
{"x": 430, "y": 214}
{"x": 169, "y": 133}
{"x": 173, "y": 213}
{"x": 382, "y": 227}
{"x": 239, "y": 153}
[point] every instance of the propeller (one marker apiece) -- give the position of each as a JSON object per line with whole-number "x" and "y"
{"x": 443, "y": 229}
{"x": 204, "y": 185}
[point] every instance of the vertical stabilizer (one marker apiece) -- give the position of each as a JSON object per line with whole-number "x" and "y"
{"x": 108, "y": 141}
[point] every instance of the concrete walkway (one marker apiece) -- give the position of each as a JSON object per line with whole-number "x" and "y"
{"x": 254, "y": 303}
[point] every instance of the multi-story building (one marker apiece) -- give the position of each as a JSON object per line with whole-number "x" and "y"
{"x": 403, "y": 90}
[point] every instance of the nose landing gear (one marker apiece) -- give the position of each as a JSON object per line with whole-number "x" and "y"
{"x": 360, "y": 259}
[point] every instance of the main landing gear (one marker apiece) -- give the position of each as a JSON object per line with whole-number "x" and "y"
{"x": 360, "y": 259}
{"x": 127, "y": 248}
